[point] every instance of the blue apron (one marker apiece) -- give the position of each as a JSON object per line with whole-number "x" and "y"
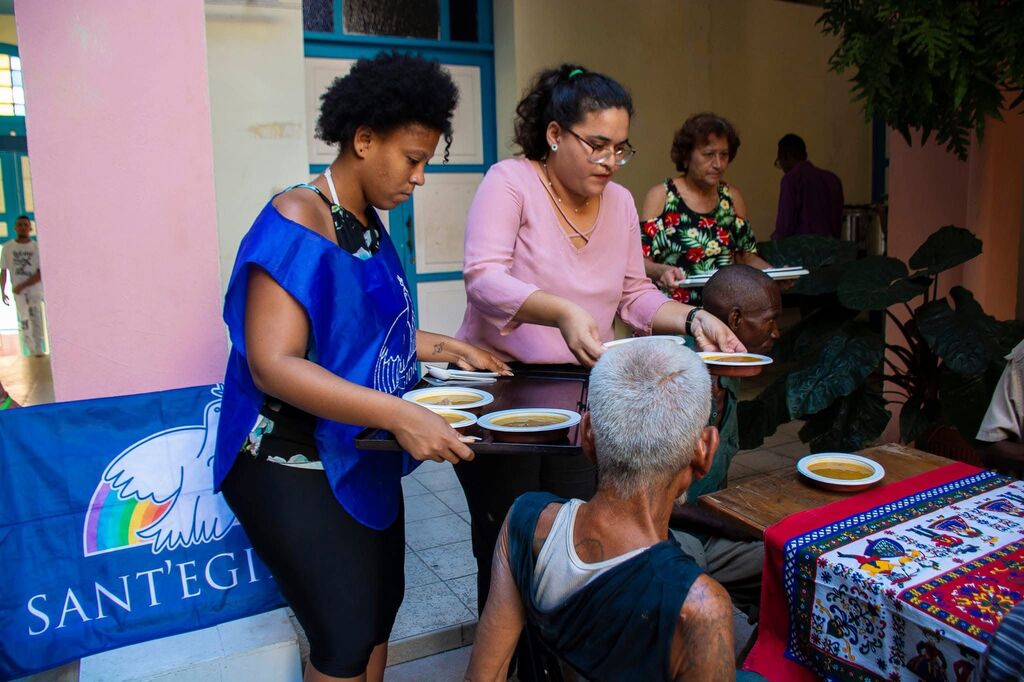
{"x": 363, "y": 329}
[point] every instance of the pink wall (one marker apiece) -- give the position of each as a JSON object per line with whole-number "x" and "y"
{"x": 122, "y": 164}
{"x": 995, "y": 199}
{"x": 929, "y": 188}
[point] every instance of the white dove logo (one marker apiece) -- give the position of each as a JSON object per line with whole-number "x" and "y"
{"x": 392, "y": 372}
{"x": 168, "y": 471}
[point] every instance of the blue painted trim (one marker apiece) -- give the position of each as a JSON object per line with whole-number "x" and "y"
{"x": 439, "y": 276}
{"x": 879, "y": 160}
{"x": 445, "y": 18}
{"x": 457, "y": 168}
{"x": 390, "y": 42}
{"x": 8, "y": 48}
{"x": 339, "y": 16}
{"x": 485, "y": 21}
{"x": 433, "y": 168}
{"x": 12, "y": 125}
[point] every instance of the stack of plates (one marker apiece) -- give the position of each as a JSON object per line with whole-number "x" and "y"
{"x": 792, "y": 272}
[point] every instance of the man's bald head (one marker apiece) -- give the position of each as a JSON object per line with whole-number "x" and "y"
{"x": 747, "y": 300}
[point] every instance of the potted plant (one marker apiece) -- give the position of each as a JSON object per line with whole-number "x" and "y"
{"x": 941, "y": 366}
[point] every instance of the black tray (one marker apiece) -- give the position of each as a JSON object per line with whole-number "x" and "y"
{"x": 557, "y": 386}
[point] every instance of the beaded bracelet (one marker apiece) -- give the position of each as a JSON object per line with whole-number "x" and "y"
{"x": 689, "y": 320}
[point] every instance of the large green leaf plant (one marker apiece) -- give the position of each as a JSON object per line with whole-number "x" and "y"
{"x": 941, "y": 367}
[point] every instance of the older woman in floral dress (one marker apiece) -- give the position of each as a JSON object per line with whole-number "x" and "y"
{"x": 695, "y": 223}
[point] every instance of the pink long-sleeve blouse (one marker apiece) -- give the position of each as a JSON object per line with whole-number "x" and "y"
{"x": 515, "y": 245}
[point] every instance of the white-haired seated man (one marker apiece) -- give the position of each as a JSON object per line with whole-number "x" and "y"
{"x": 600, "y": 582}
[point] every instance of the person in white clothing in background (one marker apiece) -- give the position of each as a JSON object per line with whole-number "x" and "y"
{"x": 20, "y": 262}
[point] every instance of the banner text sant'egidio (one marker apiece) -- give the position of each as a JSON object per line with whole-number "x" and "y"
{"x": 172, "y": 580}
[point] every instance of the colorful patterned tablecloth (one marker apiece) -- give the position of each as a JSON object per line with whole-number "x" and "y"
{"x": 905, "y": 582}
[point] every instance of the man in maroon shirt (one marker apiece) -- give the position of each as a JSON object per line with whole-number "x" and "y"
{"x": 810, "y": 198}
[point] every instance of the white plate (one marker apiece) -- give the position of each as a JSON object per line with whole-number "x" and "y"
{"x": 444, "y": 374}
{"x": 787, "y": 273}
{"x": 697, "y": 281}
{"x": 487, "y": 421}
{"x": 803, "y": 466}
{"x": 662, "y": 337}
{"x": 726, "y": 362}
{"x": 483, "y": 397}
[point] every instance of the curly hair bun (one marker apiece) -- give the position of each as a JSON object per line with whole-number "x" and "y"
{"x": 387, "y": 92}
{"x": 564, "y": 95}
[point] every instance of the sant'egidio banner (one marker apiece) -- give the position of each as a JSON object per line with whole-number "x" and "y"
{"x": 110, "y": 533}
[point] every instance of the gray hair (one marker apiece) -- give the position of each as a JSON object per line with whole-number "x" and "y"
{"x": 649, "y": 403}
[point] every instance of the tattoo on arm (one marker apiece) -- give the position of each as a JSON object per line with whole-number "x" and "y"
{"x": 706, "y": 629}
{"x": 439, "y": 347}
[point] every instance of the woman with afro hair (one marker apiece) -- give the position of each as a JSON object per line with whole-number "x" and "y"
{"x": 323, "y": 344}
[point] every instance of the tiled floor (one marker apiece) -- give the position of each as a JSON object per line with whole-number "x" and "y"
{"x": 28, "y": 380}
{"x": 439, "y": 611}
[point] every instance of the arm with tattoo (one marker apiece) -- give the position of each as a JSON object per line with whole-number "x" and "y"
{"x": 703, "y": 646}
{"x": 432, "y": 347}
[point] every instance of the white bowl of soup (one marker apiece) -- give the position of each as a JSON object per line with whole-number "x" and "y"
{"x": 529, "y": 424}
{"x": 450, "y": 398}
{"x": 840, "y": 471}
{"x": 457, "y": 419}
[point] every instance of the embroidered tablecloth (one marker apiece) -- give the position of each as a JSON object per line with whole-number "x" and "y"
{"x": 905, "y": 582}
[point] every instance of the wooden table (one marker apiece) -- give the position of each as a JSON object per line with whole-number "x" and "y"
{"x": 755, "y": 504}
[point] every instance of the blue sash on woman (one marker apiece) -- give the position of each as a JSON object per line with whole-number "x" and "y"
{"x": 363, "y": 329}
{"x": 621, "y": 624}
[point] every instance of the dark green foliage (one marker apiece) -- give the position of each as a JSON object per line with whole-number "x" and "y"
{"x": 848, "y": 423}
{"x": 876, "y": 283}
{"x": 945, "y": 249}
{"x": 938, "y": 66}
{"x": 942, "y": 365}
{"x": 957, "y": 339}
{"x": 843, "y": 365}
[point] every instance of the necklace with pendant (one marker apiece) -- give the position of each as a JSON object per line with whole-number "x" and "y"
{"x": 558, "y": 205}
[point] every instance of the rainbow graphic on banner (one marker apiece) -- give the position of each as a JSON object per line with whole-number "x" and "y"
{"x": 113, "y": 523}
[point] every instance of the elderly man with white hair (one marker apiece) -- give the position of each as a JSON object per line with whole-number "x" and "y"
{"x": 601, "y": 583}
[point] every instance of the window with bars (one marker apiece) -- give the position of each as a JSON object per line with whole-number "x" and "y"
{"x": 422, "y": 19}
{"x": 12, "y": 89}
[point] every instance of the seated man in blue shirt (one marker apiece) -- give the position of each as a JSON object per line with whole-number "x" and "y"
{"x": 750, "y": 303}
{"x": 600, "y": 582}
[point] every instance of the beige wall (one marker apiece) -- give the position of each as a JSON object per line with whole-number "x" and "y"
{"x": 760, "y": 63}
{"x": 257, "y": 107}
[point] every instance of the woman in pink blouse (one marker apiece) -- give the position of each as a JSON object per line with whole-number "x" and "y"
{"x": 552, "y": 254}
{"x": 553, "y": 246}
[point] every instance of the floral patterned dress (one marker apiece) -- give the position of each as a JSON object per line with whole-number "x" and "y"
{"x": 695, "y": 242}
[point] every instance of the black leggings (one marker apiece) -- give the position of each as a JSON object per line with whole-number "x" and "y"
{"x": 344, "y": 581}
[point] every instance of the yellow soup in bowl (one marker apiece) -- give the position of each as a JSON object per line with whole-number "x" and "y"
{"x": 452, "y": 399}
{"x": 526, "y": 421}
{"x": 842, "y": 471}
